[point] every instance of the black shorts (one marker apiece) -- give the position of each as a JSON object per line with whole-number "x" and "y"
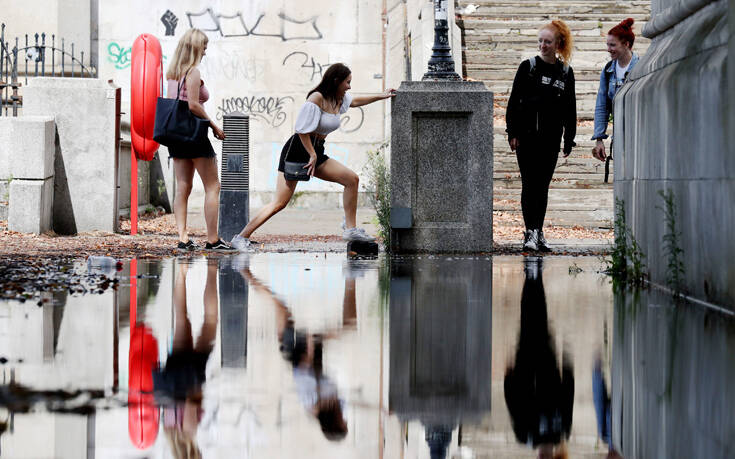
{"x": 299, "y": 154}
{"x": 190, "y": 150}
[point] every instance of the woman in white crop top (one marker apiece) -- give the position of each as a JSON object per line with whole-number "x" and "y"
{"x": 318, "y": 117}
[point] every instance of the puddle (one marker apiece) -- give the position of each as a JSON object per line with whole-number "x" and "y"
{"x": 312, "y": 355}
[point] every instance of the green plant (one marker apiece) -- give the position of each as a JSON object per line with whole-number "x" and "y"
{"x": 161, "y": 187}
{"x": 377, "y": 172}
{"x": 672, "y": 249}
{"x": 626, "y": 256}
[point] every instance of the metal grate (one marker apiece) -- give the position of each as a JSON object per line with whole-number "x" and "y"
{"x": 235, "y": 169}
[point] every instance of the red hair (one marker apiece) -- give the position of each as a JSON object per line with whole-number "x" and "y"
{"x": 564, "y": 38}
{"x": 624, "y": 31}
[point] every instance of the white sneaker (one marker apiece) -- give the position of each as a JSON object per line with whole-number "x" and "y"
{"x": 530, "y": 241}
{"x": 242, "y": 244}
{"x": 240, "y": 261}
{"x": 357, "y": 234}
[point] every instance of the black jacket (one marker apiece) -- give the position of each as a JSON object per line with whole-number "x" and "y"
{"x": 542, "y": 105}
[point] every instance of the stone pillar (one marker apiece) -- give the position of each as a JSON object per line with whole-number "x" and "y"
{"x": 31, "y": 164}
{"x": 442, "y": 167}
{"x": 672, "y": 134}
{"x": 86, "y": 112}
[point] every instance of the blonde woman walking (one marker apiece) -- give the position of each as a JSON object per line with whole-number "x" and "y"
{"x": 185, "y": 81}
{"x": 542, "y": 107}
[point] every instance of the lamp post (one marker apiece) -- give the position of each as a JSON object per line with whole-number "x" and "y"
{"x": 441, "y": 64}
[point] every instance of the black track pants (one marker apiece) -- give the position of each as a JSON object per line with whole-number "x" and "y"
{"x": 537, "y": 168}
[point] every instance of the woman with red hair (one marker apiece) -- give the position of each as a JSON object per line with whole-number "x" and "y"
{"x": 542, "y": 107}
{"x": 620, "y": 46}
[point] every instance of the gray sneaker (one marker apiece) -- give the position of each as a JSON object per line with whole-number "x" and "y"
{"x": 242, "y": 244}
{"x": 357, "y": 234}
{"x": 530, "y": 241}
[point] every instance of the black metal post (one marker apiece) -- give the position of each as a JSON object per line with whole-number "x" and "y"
{"x": 441, "y": 64}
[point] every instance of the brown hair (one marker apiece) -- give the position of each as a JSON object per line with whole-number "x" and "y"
{"x": 564, "y": 38}
{"x": 333, "y": 77}
{"x": 624, "y": 31}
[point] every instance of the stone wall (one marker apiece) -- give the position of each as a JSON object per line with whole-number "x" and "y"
{"x": 670, "y": 135}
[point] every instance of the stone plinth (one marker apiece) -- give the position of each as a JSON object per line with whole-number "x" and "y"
{"x": 86, "y": 112}
{"x": 442, "y": 167}
{"x": 30, "y": 205}
{"x": 28, "y": 153}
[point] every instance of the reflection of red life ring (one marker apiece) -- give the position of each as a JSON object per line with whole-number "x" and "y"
{"x": 142, "y": 410}
{"x": 145, "y": 88}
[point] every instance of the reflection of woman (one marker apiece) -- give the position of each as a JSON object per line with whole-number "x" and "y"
{"x": 539, "y": 396}
{"x": 318, "y": 117}
{"x": 317, "y": 392}
{"x": 542, "y": 104}
{"x": 620, "y": 46}
{"x": 179, "y": 384}
{"x": 184, "y": 79}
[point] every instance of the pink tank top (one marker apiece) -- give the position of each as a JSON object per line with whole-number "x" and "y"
{"x": 173, "y": 86}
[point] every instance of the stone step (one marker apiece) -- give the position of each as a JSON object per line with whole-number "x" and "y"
{"x": 560, "y": 199}
{"x": 585, "y": 183}
{"x": 529, "y": 26}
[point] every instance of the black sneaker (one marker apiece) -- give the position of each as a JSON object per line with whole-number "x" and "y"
{"x": 219, "y": 246}
{"x": 188, "y": 245}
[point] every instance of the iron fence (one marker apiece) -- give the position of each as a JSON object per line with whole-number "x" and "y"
{"x": 35, "y": 58}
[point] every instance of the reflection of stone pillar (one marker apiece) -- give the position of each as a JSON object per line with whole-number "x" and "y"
{"x": 233, "y": 304}
{"x": 442, "y": 167}
{"x": 440, "y": 340}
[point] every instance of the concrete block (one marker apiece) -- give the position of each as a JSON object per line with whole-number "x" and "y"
{"x": 32, "y": 155}
{"x": 86, "y": 160}
{"x": 6, "y": 142}
{"x": 442, "y": 166}
{"x": 31, "y": 203}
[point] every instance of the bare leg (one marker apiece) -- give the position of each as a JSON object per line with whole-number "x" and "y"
{"x": 334, "y": 171}
{"x": 207, "y": 168}
{"x": 284, "y": 191}
{"x": 184, "y": 170}
{"x": 182, "y": 327}
{"x": 208, "y": 333}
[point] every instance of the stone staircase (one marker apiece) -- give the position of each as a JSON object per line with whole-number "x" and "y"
{"x": 496, "y": 36}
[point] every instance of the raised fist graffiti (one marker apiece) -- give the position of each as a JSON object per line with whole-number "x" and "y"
{"x": 169, "y": 20}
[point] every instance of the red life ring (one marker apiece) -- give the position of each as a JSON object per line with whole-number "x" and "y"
{"x": 145, "y": 88}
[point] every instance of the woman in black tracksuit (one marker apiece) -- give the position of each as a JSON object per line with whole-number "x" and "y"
{"x": 542, "y": 107}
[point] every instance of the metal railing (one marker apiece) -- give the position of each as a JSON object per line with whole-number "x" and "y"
{"x": 37, "y": 59}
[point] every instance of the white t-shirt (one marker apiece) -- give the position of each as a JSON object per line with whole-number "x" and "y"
{"x": 620, "y": 71}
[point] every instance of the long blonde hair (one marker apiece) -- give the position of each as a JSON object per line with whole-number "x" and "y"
{"x": 564, "y": 38}
{"x": 188, "y": 53}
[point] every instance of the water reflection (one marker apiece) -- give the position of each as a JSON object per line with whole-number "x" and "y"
{"x": 318, "y": 394}
{"x": 440, "y": 341}
{"x": 539, "y": 394}
{"x": 178, "y": 384}
{"x": 313, "y": 355}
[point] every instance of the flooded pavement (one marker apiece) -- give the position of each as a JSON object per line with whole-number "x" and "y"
{"x": 313, "y": 355}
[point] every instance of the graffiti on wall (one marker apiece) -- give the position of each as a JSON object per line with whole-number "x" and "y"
{"x": 234, "y": 25}
{"x": 119, "y": 55}
{"x": 234, "y": 66}
{"x": 267, "y": 109}
{"x": 169, "y": 21}
{"x": 305, "y": 61}
{"x": 352, "y": 123}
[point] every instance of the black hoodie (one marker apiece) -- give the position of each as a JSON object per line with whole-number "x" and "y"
{"x": 542, "y": 105}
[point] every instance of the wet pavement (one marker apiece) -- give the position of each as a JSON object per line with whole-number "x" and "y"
{"x": 314, "y": 355}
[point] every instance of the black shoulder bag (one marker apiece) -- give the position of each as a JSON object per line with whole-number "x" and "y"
{"x": 175, "y": 123}
{"x": 293, "y": 170}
